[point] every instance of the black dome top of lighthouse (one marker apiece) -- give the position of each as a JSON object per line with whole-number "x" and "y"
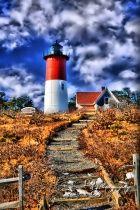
{"x": 56, "y": 50}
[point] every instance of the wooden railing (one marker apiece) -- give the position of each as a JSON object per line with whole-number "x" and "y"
{"x": 115, "y": 190}
{"x": 19, "y": 179}
{"x": 44, "y": 205}
{"x": 136, "y": 165}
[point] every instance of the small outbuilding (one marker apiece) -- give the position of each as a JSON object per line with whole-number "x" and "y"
{"x": 28, "y": 110}
{"x": 103, "y": 99}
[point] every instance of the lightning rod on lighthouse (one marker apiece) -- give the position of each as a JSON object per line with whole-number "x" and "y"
{"x": 56, "y": 96}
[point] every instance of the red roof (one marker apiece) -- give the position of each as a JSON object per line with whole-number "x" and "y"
{"x": 87, "y": 98}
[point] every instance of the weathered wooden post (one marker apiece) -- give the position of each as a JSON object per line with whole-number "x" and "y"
{"x": 44, "y": 204}
{"x": 20, "y": 174}
{"x": 136, "y": 163}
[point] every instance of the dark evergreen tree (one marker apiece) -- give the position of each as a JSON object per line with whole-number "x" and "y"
{"x": 72, "y": 103}
{"x": 2, "y": 100}
{"x": 21, "y": 102}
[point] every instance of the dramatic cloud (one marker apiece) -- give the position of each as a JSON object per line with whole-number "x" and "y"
{"x": 17, "y": 82}
{"x": 20, "y": 13}
{"x": 119, "y": 85}
{"x": 68, "y": 21}
{"x": 101, "y": 36}
{"x": 4, "y": 21}
{"x": 128, "y": 74}
{"x": 133, "y": 26}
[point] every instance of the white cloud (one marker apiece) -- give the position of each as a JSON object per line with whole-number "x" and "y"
{"x": 83, "y": 50}
{"x": 90, "y": 69}
{"x": 105, "y": 3}
{"x": 116, "y": 85}
{"x": 71, "y": 90}
{"x": 2, "y": 35}
{"x": 133, "y": 26}
{"x": 102, "y": 14}
{"x": 20, "y": 14}
{"x": 120, "y": 84}
{"x": 38, "y": 22}
{"x": 67, "y": 48}
{"x": 10, "y": 45}
{"x": 78, "y": 23}
{"x": 47, "y": 6}
{"x": 42, "y": 16}
{"x": 16, "y": 86}
{"x": 13, "y": 37}
{"x": 4, "y": 21}
{"x": 72, "y": 17}
{"x": 119, "y": 50}
{"x": 128, "y": 74}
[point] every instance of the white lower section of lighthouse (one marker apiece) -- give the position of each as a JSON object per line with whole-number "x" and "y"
{"x": 56, "y": 96}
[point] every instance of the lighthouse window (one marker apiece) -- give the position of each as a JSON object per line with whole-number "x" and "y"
{"x": 62, "y": 86}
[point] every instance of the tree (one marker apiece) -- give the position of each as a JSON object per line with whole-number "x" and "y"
{"x": 15, "y": 103}
{"x": 72, "y": 103}
{"x": 123, "y": 95}
{"x": 21, "y": 102}
{"x": 127, "y": 91}
{"x": 2, "y": 94}
{"x": 2, "y": 100}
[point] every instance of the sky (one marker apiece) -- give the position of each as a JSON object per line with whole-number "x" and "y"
{"x": 101, "y": 36}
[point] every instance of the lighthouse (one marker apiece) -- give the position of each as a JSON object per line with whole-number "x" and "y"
{"x": 56, "y": 96}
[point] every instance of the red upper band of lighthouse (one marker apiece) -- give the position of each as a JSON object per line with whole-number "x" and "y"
{"x": 56, "y": 63}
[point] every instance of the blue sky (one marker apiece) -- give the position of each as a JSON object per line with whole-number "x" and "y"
{"x": 101, "y": 36}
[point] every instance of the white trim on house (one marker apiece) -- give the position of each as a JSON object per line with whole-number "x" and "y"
{"x": 113, "y": 96}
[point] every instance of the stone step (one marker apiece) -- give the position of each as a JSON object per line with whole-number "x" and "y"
{"x": 84, "y": 205}
{"x": 61, "y": 148}
{"x": 86, "y": 120}
{"x": 64, "y": 143}
{"x": 60, "y": 157}
{"x": 80, "y": 124}
{"x": 102, "y": 207}
{"x": 85, "y": 185}
{"x": 75, "y": 168}
{"x": 75, "y": 159}
{"x": 64, "y": 160}
{"x": 72, "y": 129}
{"x": 75, "y": 177}
{"x": 64, "y": 153}
{"x": 76, "y": 174}
{"x": 80, "y": 203}
{"x": 63, "y": 139}
{"x": 94, "y": 199}
{"x": 76, "y": 186}
{"x": 68, "y": 135}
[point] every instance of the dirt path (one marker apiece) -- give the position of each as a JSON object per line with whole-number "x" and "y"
{"x": 78, "y": 177}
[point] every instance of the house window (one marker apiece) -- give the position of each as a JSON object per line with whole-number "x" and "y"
{"x": 62, "y": 86}
{"x": 106, "y": 100}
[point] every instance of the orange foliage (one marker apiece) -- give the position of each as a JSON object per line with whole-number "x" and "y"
{"x": 113, "y": 139}
{"x": 23, "y": 141}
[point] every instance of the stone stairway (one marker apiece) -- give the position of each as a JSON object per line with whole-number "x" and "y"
{"x": 78, "y": 177}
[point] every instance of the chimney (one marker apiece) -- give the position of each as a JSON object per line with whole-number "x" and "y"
{"x": 103, "y": 88}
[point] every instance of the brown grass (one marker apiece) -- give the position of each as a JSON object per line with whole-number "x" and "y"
{"x": 23, "y": 141}
{"x": 113, "y": 139}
